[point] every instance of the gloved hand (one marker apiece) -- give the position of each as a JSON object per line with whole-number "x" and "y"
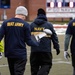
{"x": 48, "y": 31}
{"x": 57, "y": 51}
{"x": 39, "y": 36}
{"x": 66, "y": 55}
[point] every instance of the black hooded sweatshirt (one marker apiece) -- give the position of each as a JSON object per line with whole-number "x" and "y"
{"x": 39, "y": 24}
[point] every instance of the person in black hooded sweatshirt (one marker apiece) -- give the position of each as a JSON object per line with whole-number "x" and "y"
{"x": 41, "y": 57}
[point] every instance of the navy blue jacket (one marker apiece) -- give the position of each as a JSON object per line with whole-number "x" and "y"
{"x": 38, "y": 25}
{"x": 71, "y": 31}
{"x": 16, "y": 33}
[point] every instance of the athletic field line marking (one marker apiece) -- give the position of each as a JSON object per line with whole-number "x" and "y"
{"x": 55, "y": 61}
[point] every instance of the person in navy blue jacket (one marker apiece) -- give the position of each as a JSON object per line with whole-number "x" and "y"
{"x": 41, "y": 57}
{"x": 70, "y": 39}
{"x": 17, "y": 34}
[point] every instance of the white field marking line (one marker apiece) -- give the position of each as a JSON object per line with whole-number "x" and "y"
{"x": 58, "y": 62}
{"x": 4, "y": 65}
{"x": 55, "y": 61}
{"x": 62, "y": 62}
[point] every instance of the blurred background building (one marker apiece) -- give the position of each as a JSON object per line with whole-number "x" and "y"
{"x": 56, "y": 10}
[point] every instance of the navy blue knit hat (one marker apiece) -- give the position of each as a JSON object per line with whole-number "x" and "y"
{"x": 41, "y": 11}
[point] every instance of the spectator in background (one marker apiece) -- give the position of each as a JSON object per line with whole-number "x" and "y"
{"x": 70, "y": 39}
{"x": 16, "y": 33}
{"x": 41, "y": 57}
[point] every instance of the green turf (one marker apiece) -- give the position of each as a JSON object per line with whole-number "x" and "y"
{"x": 60, "y": 65}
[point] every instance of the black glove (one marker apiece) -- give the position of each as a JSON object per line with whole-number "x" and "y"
{"x": 57, "y": 51}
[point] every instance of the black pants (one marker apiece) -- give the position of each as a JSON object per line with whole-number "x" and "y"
{"x": 16, "y": 66}
{"x": 41, "y": 63}
{"x": 73, "y": 63}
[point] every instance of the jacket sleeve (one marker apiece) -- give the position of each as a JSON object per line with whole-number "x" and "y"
{"x": 1, "y": 46}
{"x": 55, "y": 39}
{"x": 2, "y": 31}
{"x": 68, "y": 35}
{"x": 66, "y": 41}
{"x": 28, "y": 39}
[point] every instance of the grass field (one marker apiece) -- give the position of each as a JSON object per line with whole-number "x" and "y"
{"x": 60, "y": 65}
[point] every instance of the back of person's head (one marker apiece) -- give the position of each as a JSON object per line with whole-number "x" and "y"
{"x": 41, "y": 11}
{"x": 21, "y": 10}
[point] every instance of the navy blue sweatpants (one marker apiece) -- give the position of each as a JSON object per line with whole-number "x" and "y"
{"x": 16, "y": 66}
